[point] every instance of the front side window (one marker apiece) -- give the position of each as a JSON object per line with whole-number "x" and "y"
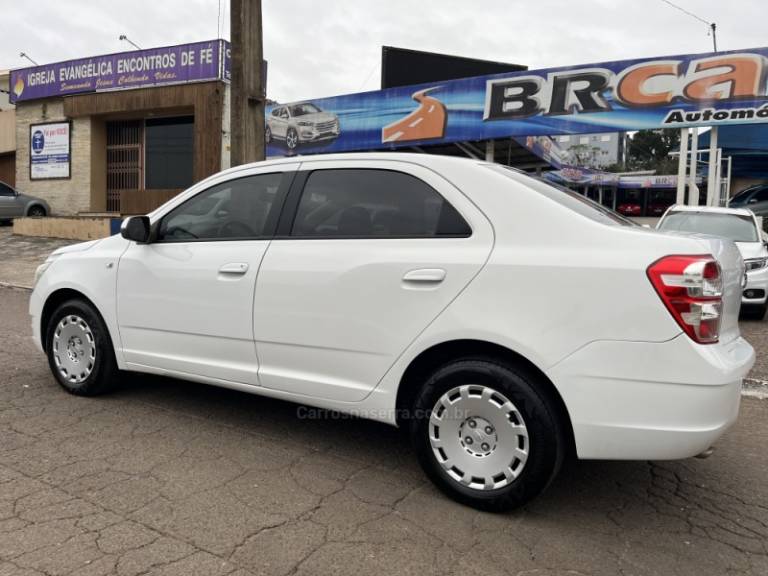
{"x": 368, "y": 203}
{"x": 6, "y": 190}
{"x": 244, "y": 208}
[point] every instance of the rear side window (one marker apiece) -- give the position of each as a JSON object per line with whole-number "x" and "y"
{"x": 565, "y": 197}
{"x": 368, "y": 203}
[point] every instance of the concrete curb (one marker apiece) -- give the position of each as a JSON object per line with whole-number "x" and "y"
{"x": 15, "y": 286}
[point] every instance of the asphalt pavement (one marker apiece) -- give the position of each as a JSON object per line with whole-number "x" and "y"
{"x": 166, "y": 477}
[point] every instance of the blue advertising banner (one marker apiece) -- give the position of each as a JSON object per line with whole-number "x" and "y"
{"x": 196, "y": 62}
{"x": 673, "y": 91}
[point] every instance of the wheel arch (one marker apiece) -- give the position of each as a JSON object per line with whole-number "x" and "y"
{"x": 35, "y": 205}
{"x": 54, "y": 300}
{"x": 440, "y": 354}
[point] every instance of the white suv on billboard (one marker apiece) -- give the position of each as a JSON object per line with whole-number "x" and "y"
{"x": 424, "y": 292}
{"x": 301, "y": 123}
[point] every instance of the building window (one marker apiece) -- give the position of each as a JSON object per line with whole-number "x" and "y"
{"x": 564, "y": 138}
{"x": 605, "y": 138}
{"x": 169, "y": 147}
{"x": 584, "y": 140}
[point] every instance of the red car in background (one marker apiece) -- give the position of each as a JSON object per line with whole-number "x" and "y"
{"x": 629, "y": 209}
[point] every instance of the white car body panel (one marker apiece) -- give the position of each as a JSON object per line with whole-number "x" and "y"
{"x": 333, "y": 324}
{"x": 317, "y": 332}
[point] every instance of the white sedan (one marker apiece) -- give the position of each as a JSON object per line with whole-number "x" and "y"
{"x": 503, "y": 322}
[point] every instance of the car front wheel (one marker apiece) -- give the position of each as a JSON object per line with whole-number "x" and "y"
{"x": 292, "y": 138}
{"x": 79, "y": 349}
{"x": 486, "y": 434}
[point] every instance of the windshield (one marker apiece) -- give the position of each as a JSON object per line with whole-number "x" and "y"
{"x": 731, "y": 226}
{"x": 565, "y": 196}
{"x": 302, "y": 109}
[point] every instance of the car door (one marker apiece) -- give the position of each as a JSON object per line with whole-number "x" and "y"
{"x": 281, "y": 123}
{"x": 185, "y": 300}
{"x": 8, "y": 208}
{"x": 366, "y": 256}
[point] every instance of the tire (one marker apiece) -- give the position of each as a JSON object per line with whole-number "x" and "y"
{"x": 292, "y": 139}
{"x": 79, "y": 348}
{"x": 754, "y": 311}
{"x": 268, "y": 135}
{"x": 36, "y": 212}
{"x": 487, "y": 434}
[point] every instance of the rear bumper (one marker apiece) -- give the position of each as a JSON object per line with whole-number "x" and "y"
{"x": 651, "y": 401}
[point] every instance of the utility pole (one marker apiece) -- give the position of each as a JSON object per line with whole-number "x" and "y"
{"x": 247, "y": 85}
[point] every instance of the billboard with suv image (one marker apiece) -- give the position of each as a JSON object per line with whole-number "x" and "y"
{"x": 294, "y": 124}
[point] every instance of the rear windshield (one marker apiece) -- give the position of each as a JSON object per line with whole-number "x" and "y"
{"x": 565, "y": 197}
{"x": 731, "y": 226}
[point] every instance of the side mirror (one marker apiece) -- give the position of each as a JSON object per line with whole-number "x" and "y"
{"x": 135, "y": 228}
{"x": 752, "y": 201}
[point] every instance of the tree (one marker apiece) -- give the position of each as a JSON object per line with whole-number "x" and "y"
{"x": 583, "y": 155}
{"x": 649, "y": 150}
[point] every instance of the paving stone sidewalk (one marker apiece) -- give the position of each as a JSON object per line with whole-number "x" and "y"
{"x": 21, "y": 255}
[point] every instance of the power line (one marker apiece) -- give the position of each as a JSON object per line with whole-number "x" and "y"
{"x": 712, "y": 26}
{"x": 684, "y": 11}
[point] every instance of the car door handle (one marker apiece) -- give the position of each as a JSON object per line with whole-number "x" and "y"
{"x": 425, "y": 276}
{"x": 234, "y": 268}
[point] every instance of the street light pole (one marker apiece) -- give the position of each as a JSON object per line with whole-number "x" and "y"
{"x": 713, "y": 26}
{"x": 247, "y": 86}
{"x": 25, "y": 55}
{"x": 131, "y": 42}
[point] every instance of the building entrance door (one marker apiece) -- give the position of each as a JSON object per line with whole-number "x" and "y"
{"x": 125, "y": 159}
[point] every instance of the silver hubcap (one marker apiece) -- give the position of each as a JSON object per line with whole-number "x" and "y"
{"x": 74, "y": 348}
{"x": 478, "y": 437}
{"x": 291, "y": 139}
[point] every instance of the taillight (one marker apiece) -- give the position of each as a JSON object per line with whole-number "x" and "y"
{"x": 691, "y": 288}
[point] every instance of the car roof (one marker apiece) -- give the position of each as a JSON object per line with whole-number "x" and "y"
{"x": 410, "y": 157}
{"x": 712, "y": 210}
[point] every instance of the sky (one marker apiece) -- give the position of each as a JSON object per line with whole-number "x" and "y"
{"x": 318, "y": 49}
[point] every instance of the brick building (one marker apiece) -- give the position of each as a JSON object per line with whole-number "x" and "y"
{"x": 142, "y": 126}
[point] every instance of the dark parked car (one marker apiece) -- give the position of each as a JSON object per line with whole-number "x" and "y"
{"x": 14, "y": 204}
{"x": 754, "y": 198}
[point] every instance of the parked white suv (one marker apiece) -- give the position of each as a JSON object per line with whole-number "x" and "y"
{"x": 504, "y": 322}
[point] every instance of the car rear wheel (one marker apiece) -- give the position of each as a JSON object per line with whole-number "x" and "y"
{"x": 292, "y": 138}
{"x": 486, "y": 435}
{"x": 79, "y": 348}
{"x": 36, "y": 212}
